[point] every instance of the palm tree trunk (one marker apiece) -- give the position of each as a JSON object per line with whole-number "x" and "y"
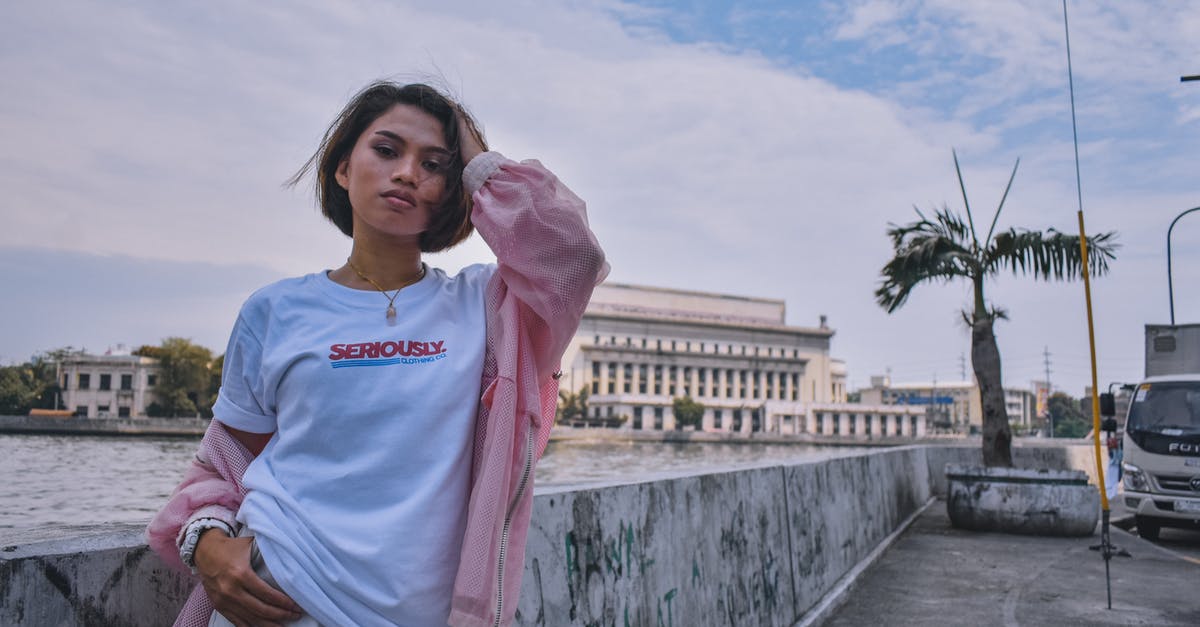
{"x": 985, "y": 360}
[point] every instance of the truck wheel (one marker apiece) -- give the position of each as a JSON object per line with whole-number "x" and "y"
{"x": 1148, "y": 528}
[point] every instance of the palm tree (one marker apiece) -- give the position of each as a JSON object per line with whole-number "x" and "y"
{"x": 945, "y": 248}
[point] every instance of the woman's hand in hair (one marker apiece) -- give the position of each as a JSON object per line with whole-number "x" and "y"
{"x": 236, "y": 591}
{"x": 470, "y": 140}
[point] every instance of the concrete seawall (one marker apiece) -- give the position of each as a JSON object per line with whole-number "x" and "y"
{"x": 150, "y": 427}
{"x": 750, "y": 547}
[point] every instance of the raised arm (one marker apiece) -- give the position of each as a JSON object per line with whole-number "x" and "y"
{"x": 548, "y": 257}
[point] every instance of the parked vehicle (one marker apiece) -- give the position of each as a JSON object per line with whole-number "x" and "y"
{"x": 1161, "y": 457}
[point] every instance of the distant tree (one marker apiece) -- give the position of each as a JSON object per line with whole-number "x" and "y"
{"x": 854, "y": 397}
{"x": 1068, "y": 417}
{"x": 20, "y": 390}
{"x": 185, "y": 385}
{"x": 572, "y": 406}
{"x": 687, "y": 412}
{"x": 946, "y": 248}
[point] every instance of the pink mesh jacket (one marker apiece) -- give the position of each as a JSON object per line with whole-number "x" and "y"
{"x": 548, "y": 263}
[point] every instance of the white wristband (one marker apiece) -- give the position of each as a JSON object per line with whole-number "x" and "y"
{"x": 187, "y": 549}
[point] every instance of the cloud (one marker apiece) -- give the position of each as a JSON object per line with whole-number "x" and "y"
{"x": 163, "y": 132}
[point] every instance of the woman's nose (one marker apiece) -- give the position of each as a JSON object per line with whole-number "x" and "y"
{"x": 406, "y": 170}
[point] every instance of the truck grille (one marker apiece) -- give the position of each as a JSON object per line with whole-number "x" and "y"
{"x": 1175, "y": 483}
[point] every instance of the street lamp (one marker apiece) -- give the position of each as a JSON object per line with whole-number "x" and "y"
{"x": 1171, "y": 283}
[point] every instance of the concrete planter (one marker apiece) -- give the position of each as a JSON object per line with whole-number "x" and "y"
{"x": 1022, "y": 500}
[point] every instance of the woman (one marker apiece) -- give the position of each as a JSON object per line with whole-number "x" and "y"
{"x": 370, "y": 458}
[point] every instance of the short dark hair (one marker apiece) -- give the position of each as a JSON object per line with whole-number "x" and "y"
{"x": 451, "y": 223}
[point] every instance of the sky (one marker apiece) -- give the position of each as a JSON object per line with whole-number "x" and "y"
{"x": 752, "y": 148}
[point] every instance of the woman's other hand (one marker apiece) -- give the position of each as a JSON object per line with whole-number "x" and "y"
{"x": 236, "y": 591}
{"x": 470, "y": 140}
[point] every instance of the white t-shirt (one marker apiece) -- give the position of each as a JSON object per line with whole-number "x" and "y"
{"x": 359, "y": 501}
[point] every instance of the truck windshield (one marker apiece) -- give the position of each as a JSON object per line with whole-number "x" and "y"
{"x": 1171, "y": 408}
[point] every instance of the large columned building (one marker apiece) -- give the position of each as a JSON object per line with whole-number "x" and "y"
{"x": 639, "y": 348}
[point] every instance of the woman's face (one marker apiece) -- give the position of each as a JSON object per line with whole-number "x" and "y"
{"x": 396, "y": 173}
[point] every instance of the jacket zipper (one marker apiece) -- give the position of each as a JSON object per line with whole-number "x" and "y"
{"x": 508, "y": 523}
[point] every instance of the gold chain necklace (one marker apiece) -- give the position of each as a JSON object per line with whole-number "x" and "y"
{"x": 391, "y": 310}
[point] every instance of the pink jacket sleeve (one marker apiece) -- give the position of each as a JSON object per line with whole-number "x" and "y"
{"x": 211, "y": 488}
{"x": 548, "y": 258}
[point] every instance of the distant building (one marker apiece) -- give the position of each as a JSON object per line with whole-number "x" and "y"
{"x": 639, "y": 348}
{"x": 108, "y": 386}
{"x": 952, "y": 406}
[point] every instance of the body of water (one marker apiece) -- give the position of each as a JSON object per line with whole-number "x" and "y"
{"x": 53, "y": 482}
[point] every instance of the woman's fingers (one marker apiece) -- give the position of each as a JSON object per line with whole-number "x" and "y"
{"x": 236, "y": 591}
{"x": 470, "y": 140}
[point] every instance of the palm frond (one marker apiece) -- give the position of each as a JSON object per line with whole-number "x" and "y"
{"x": 1049, "y": 255}
{"x": 988, "y": 240}
{"x": 967, "y": 205}
{"x": 925, "y": 250}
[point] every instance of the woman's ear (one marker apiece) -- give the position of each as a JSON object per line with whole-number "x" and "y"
{"x": 342, "y": 174}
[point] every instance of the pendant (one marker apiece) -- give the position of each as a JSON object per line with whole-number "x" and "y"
{"x": 391, "y": 315}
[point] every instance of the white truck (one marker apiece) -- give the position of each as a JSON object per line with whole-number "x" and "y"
{"x": 1161, "y": 456}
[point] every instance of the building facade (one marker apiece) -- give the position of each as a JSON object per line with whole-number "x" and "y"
{"x": 108, "y": 386}
{"x": 640, "y": 348}
{"x": 952, "y": 406}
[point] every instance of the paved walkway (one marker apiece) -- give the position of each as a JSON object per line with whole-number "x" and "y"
{"x": 937, "y": 575}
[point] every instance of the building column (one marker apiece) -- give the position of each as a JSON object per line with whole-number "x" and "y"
{"x": 669, "y": 418}
{"x": 603, "y": 377}
{"x": 921, "y": 426}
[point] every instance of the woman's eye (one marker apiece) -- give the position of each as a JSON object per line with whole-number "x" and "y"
{"x": 385, "y": 151}
{"x": 433, "y": 166}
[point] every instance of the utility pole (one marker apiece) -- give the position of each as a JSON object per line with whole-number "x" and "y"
{"x": 1049, "y": 417}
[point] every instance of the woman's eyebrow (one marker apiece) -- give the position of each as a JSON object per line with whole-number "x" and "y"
{"x": 435, "y": 149}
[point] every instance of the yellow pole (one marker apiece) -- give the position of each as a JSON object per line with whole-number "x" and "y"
{"x": 1087, "y": 291}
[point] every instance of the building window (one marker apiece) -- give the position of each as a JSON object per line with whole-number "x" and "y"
{"x": 701, "y": 347}
{"x": 64, "y": 383}
{"x": 627, "y": 386}
{"x": 151, "y": 380}
{"x": 671, "y": 378}
{"x": 795, "y": 386}
{"x": 658, "y": 344}
{"x": 81, "y": 411}
{"x": 101, "y": 411}
{"x": 742, "y": 382}
{"x": 672, "y": 344}
{"x": 85, "y": 381}
{"x": 596, "y": 341}
{"x": 728, "y": 384}
{"x": 658, "y": 379}
{"x": 687, "y": 382}
{"x": 122, "y": 411}
{"x": 126, "y": 382}
{"x": 612, "y": 377}
{"x": 643, "y": 342}
{"x": 757, "y": 389}
{"x": 837, "y": 424}
{"x": 642, "y": 379}
{"x": 106, "y": 382}
{"x": 658, "y": 418}
{"x": 687, "y": 347}
{"x": 770, "y": 385}
{"x": 704, "y": 382}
